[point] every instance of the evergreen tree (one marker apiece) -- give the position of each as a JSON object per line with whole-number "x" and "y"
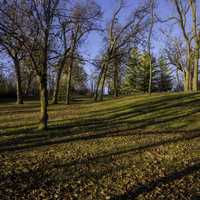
{"x": 137, "y": 73}
{"x": 165, "y": 76}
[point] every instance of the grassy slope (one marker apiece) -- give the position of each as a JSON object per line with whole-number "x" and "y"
{"x": 139, "y": 146}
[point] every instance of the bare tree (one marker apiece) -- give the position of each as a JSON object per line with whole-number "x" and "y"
{"x": 39, "y": 42}
{"x": 152, "y": 22}
{"x": 15, "y": 53}
{"x": 34, "y": 34}
{"x": 120, "y": 36}
{"x": 63, "y": 57}
{"x": 196, "y": 36}
{"x": 9, "y": 18}
{"x": 176, "y": 54}
{"x": 83, "y": 20}
{"x": 191, "y": 40}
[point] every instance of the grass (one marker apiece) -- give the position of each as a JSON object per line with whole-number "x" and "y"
{"x": 137, "y": 147}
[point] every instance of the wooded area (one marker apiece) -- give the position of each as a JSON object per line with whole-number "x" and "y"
{"x": 138, "y": 95}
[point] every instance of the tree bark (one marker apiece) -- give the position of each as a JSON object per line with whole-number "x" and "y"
{"x": 149, "y": 46}
{"x": 116, "y": 80}
{"x": 43, "y": 103}
{"x": 187, "y": 81}
{"x": 196, "y": 72}
{"x": 57, "y": 86}
{"x": 150, "y": 75}
{"x": 43, "y": 87}
{"x": 197, "y": 45}
{"x": 18, "y": 82}
{"x": 102, "y": 83}
{"x": 189, "y": 72}
{"x": 26, "y": 92}
{"x": 98, "y": 83}
{"x": 69, "y": 75}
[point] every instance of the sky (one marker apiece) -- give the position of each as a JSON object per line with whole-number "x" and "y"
{"x": 94, "y": 41}
{"x": 94, "y": 44}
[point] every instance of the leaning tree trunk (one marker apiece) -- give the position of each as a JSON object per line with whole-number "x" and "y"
{"x": 116, "y": 80}
{"x": 43, "y": 103}
{"x": 60, "y": 70}
{"x": 18, "y": 82}
{"x": 102, "y": 83}
{"x": 98, "y": 83}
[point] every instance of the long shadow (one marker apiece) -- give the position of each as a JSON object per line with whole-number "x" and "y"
{"x": 28, "y": 145}
{"x": 122, "y": 114}
{"x": 133, "y": 150}
{"x": 150, "y": 186}
{"x": 138, "y": 109}
{"x": 64, "y": 134}
{"x": 144, "y": 108}
{"x": 46, "y": 176}
{"x": 106, "y": 126}
{"x": 151, "y": 103}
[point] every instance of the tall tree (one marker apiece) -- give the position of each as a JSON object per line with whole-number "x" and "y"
{"x": 165, "y": 76}
{"x": 35, "y": 35}
{"x": 120, "y": 36}
{"x": 196, "y": 36}
{"x": 176, "y": 54}
{"x": 84, "y": 19}
{"x": 152, "y": 22}
{"x": 63, "y": 57}
{"x": 10, "y": 17}
{"x": 138, "y": 71}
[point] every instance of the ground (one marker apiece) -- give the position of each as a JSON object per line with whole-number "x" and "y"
{"x": 137, "y": 147}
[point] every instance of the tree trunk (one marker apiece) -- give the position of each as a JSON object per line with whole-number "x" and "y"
{"x": 193, "y": 5}
{"x": 178, "y": 79}
{"x": 102, "y": 83}
{"x": 43, "y": 103}
{"x": 18, "y": 82}
{"x": 149, "y": 46}
{"x": 60, "y": 70}
{"x": 187, "y": 81}
{"x": 69, "y": 75}
{"x": 196, "y": 71}
{"x": 57, "y": 86}
{"x": 150, "y": 75}
{"x": 28, "y": 85}
{"x": 98, "y": 83}
{"x": 43, "y": 88}
{"x": 116, "y": 81}
{"x": 190, "y": 79}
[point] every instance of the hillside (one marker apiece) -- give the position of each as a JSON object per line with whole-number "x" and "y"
{"x": 142, "y": 147}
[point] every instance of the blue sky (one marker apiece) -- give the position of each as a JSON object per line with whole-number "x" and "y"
{"x": 94, "y": 41}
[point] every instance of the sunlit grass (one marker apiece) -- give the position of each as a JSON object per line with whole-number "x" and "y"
{"x": 144, "y": 146}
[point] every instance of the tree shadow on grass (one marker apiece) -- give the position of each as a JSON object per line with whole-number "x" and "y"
{"x": 49, "y": 175}
{"x": 29, "y": 142}
{"x": 122, "y": 121}
{"x": 150, "y": 186}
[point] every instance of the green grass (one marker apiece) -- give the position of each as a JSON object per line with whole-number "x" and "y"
{"x": 142, "y": 147}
